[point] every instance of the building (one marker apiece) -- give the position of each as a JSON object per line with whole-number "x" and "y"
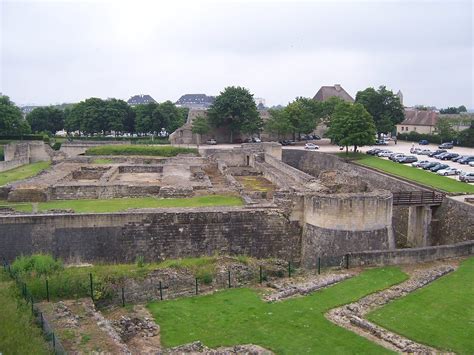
{"x": 420, "y": 121}
{"x": 140, "y": 100}
{"x": 195, "y": 101}
{"x": 325, "y": 92}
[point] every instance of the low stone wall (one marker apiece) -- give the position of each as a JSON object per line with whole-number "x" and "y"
{"x": 71, "y": 149}
{"x": 452, "y": 222}
{"x": 12, "y": 164}
{"x": 157, "y": 235}
{"x": 411, "y": 256}
{"x": 78, "y": 192}
{"x": 293, "y": 173}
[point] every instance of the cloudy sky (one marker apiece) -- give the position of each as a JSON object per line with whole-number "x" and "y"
{"x": 66, "y": 51}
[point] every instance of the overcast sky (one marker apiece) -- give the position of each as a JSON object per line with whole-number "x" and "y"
{"x": 66, "y": 51}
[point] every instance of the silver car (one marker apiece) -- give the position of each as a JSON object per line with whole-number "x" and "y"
{"x": 467, "y": 177}
{"x": 448, "y": 171}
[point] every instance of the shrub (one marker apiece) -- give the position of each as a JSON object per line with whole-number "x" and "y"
{"x": 164, "y": 151}
{"x": 56, "y": 146}
{"x": 38, "y": 264}
{"x": 140, "y": 261}
{"x": 205, "y": 277}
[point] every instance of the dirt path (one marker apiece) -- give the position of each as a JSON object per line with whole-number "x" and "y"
{"x": 351, "y": 316}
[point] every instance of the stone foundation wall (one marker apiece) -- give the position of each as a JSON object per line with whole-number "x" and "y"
{"x": 169, "y": 233}
{"x": 452, "y": 222}
{"x": 12, "y": 164}
{"x": 77, "y": 192}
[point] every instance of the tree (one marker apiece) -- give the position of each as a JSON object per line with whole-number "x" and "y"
{"x": 181, "y": 120}
{"x": 466, "y": 137}
{"x": 200, "y": 126}
{"x": 279, "y": 122}
{"x": 445, "y": 130}
{"x": 384, "y": 106}
{"x": 462, "y": 108}
{"x": 11, "y": 119}
{"x": 118, "y": 112}
{"x": 46, "y": 119}
{"x": 304, "y": 115}
{"x": 144, "y": 121}
{"x": 235, "y": 109}
{"x": 351, "y": 124}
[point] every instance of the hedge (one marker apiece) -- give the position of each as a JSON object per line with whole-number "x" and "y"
{"x": 163, "y": 151}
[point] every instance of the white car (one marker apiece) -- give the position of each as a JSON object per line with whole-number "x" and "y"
{"x": 311, "y": 146}
{"x": 385, "y": 153}
{"x": 418, "y": 163}
{"x": 448, "y": 171}
{"x": 471, "y": 163}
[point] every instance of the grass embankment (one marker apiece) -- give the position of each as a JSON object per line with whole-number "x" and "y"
{"x": 73, "y": 282}
{"x": 440, "y": 315}
{"x": 161, "y": 151}
{"x": 420, "y": 176}
{"x": 22, "y": 172}
{"x": 102, "y": 161}
{"x": 18, "y": 333}
{"x": 295, "y": 326}
{"x": 122, "y": 204}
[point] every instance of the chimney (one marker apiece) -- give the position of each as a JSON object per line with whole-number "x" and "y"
{"x": 337, "y": 87}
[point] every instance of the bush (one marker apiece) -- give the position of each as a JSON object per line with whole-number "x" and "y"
{"x": 38, "y": 264}
{"x": 56, "y": 146}
{"x": 166, "y": 151}
{"x": 416, "y": 137}
{"x": 140, "y": 261}
{"x": 25, "y": 137}
{"x": 205, "y": 278}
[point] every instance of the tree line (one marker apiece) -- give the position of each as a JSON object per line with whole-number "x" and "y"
{"x": 93, "y": 116}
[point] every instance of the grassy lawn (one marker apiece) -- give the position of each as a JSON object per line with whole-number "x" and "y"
{"x": 295, "y": 326}
{"x": 162, "y": 151}
{"x": 22, "y": 172}
{"x": 440, "y": 315}
{"x": 122, "y": 204}
{"x": 408, "y": 172}
{"x": 18, "y": 334}
{"x": 102, "y": 161}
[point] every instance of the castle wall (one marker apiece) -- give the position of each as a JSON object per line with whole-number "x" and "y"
{"x": 157, "y": 235}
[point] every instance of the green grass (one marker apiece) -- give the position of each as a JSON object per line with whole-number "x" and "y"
{"x": 122, "y": 204}
{"x": 22, "y": 172}
{"x": 102, "y": 161}
{"x": 18, "y": 333}
{"x": 295, "y": 326}
{"x": 408, "y": 172}
{"x": 162, "y": 151}
{"x": 440, "y": 315}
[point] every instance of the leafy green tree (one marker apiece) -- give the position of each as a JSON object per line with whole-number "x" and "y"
{"x": 304, "y": 115}
{"x": 117, "y": 114}
{"x": 144, "y": 121}
{"x": 384, "y": 106}
{"x": 46, "y": 119}
{"x": 182, "y": 118}
{"x": 200, "y": 126}
{"x": 466, "y": 137}
{"x": 279, "y": 122}
{"x": 351, "y": 124}
{"x": 11, "y": 119}
{"x": 166, "y": 114}
{"x": 462, "y": 108}
{"x": 445, "y": 130}
{"x": 235, "y": 109}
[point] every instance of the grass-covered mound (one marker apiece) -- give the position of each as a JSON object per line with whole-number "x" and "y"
{"x": 295, "y": 326}
{"x": 420, "y": 176}
{"x": 122, "y": 204}
{"x": 440, "y": 314}
{"x": 22, "y": 172}
{"x": 149, "y": 150}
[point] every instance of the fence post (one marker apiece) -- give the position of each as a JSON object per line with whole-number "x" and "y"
{"x": 197, "y": 286}
{"x": 32, "y": 306}
{"x": 319, "y": 265}
{"x": 42, "y": 321}
{"x": 123, "y": 297}
{"x": 54, "y": 341}
{"x": 347, "y": 261}
{"x": 261, "y": 274}
{"x": 92, "y": 286}
{"x": 47, "y": 290}
{"x": 289, "y": 268}
{"x": 161, "y": 292}
{"x": 228, "y": 278}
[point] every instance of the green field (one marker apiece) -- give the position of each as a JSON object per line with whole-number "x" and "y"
{"x": 122, "y": 204}
{"x": 420, "y": 176}
{"x": 295, "y": 326}
{"x": 440, "y": 315}
{"x": 18, "y": 334}
{"x": 22, "y": 172}
{"x": 148, "y": 150}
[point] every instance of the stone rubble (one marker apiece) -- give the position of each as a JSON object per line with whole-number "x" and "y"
{"x": 128, "y": 327}
{"x": 198, "y": 348}
{"x": 351, "y": 316}
{"x": 292, "y": 289}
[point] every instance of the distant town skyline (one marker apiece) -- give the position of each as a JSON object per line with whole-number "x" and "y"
{"x": 67, "y": 51}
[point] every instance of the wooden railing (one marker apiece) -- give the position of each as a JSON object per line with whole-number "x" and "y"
{"x": 417, "y": 198}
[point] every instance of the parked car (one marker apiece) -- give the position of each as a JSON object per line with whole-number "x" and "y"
{"x": 448, "y": 171}
{"x": 316, "y": 137}
{"x": 425, "y": 152}
{"x": 449, "y": 156}
{"x": 466, "y": 177}
{"x": 418, "y": 164}
{"x": 446, "y": 146}
{"x": 395, "y": 156}
{"x": 381, "y": 142}
{"x": 374, "y": 151}
{"x": 407, "y": 159}
{"x": 458, "y": 158}
{"x": 211, "y": 141}
{"x": 311, "y": 146}
{"x": 415, "y": 150}
{"x": 466, "y": 160}
{"x": 439, "y": 156}
{"x": 471, "y": 163}
{"x": 439, "y": 167}
{"x": 385, "y": 153}
{"x": 423, "y": 142}
{"x": 429, "y": 165}
{"x": 436, "y": 152}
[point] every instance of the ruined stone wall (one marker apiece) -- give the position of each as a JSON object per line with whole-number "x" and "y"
{"x": 12, "y": 164}
{"x": 77, "y": 192}
{"x": 157, "y": 235}
{"x": 409, "y": 256}
{"x": 74, "y": 148}
{"x": 291, "y": 172}
{"x": 452, "y": 222}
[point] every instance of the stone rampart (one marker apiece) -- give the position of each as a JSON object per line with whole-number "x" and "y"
{"x": 155, "y": 235}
